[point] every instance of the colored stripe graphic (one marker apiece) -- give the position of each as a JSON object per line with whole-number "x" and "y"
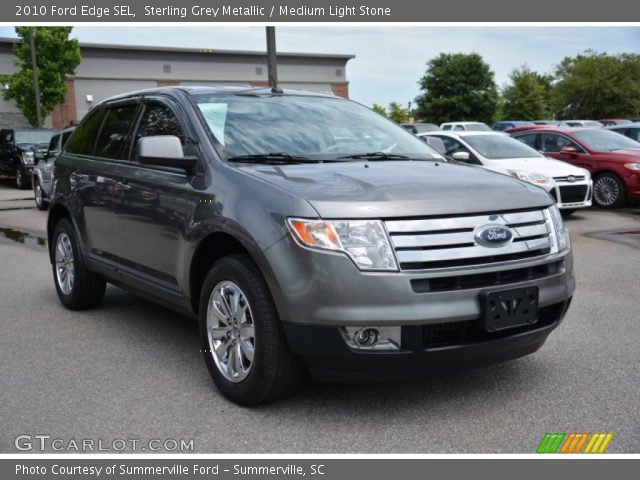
{"x": 555, "y": 442}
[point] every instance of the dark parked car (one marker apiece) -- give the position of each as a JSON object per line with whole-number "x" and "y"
{"x": 20, "y": 150}
{"x": 304, "y": 230}
{"x": 631, "y": 130}
{"x": 416, "y": 128}
{"x": 42, "y": 173}
{"x": 507, "y": 124}
{"x": 612, "y": 159}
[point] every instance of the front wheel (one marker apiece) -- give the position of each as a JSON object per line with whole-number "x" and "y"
{"x": 41, "y": 203}
{"x": 608, "y": 191}
{"x": 77, "y": 287}
{"x": 22, "y": 179}
{"x": 244, "y": 346}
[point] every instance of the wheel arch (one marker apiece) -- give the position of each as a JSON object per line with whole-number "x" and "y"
{"x": 220, "y": 243}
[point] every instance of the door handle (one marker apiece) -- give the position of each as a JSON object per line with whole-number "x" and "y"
{"x": 123, "y": 186}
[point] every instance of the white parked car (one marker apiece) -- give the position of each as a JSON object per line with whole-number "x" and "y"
{"x": 581, "y": 123}
{"x": 571, "y": 186}
{"x": 466, "y": 126}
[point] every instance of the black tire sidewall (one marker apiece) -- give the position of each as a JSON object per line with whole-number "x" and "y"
{"x": 249, "y": 390}
{"x": 621, "y": 189}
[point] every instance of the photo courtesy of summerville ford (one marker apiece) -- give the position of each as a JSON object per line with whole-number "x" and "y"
{"x": 304, "y": 232}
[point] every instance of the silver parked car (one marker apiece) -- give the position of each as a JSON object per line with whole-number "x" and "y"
{"x": 42, "y": 173}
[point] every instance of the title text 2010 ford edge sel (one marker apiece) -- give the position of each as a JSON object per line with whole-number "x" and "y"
{"x": 304, "y": 230}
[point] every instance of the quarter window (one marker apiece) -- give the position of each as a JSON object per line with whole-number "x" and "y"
{"x": 83, "y": 138}
{"x": 158, "y": 119}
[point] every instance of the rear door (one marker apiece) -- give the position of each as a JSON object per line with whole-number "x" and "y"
{"x": 153, "y": 207}
{"x": 91, "y": 159}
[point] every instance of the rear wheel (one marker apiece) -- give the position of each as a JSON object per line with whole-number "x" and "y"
{"x": 608, "y": 191}
{"x": 244, "y": 346}
{"x": 41, "y": 203}
{"x": 77, "y": 287}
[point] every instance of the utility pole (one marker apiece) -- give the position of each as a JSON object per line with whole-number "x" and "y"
{"x": 36, "y": 84}
{"x": 272, "y": 65}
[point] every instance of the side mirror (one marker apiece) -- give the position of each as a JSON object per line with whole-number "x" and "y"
{"x": 461, "y": 156}
{"x": 164, "y": 151}
{"x": 569, "y": 150}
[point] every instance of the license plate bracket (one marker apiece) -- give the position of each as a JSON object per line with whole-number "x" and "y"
{"x": 511, "y": 308}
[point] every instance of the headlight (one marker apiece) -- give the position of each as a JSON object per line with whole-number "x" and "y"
{"x": 530, "y": 177}
{"x": 562, "y": 234}
{"x": 27, "y": 158}
{"x": 632, "y": 166}
{"x": 365, "y": 241}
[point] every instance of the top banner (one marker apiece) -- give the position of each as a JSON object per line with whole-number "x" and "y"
{"x": 340, "y": 11}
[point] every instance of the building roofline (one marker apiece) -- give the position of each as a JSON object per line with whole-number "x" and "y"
{"x": 151, "y": 48}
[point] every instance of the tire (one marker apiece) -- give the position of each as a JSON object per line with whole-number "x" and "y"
{"x": 41, "y": 203}
{"x": 608, "y": 191}
{"x": 273, "y": 371}
{"x": 78, "y": 289}
{"x": 22, "y": 180}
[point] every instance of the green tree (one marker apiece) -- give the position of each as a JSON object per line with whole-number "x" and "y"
{"x": 526, "y": 97}
{"x": 597, "y": 85}
{"x": 397, "y": 113}
{"x": 379, "y": 109}
{"x": 457, "y": 86}
{"x": 56, "y": 56}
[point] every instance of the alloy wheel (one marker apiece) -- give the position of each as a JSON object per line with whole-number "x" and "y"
{"x": 606, "y": 191}
{"x": 65, "y": 269}
{"x": 230, "y": 331}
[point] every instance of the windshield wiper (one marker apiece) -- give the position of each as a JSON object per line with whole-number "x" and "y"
{"x": 376, "y": 156}
{"x": 277, "y": 157}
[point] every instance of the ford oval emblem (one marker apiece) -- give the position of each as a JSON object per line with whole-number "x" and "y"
{"x": 493, "y": 235}
{"x": 571, "y": 179}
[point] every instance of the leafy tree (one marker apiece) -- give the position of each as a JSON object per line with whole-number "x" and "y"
{"x": 597, "y": 85}
{"x": 397, "y": 113}
{"x": 526, "y": 97}
{"x": 379, "y": 109}
{"x": 455, "y": 87}
{"x": 56, "y": 56}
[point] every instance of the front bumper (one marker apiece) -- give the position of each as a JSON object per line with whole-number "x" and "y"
{"x": 566, "y": 198}
{"x": 317, "y": 293}
{"x": 329, "y": 358}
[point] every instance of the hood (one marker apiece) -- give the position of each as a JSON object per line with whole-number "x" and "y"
{"x": 626, "y": 155}
{"x": 544, "y": 166}
{"x": 36, "y": 147}
{"x": 390, "y": 189}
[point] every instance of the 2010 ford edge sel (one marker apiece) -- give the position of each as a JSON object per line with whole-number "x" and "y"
{"x": 304, "y": 230}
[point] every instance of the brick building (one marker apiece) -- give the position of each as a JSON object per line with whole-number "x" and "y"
{"x": 107, "y": 70}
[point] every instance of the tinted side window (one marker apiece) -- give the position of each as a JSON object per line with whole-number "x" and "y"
{"x": 65, "y": 137}
{"x": 446, "y": 127}
{"x": 114, "y": 134}
{"x": 634, "y": 133}
{"x": 54, "y": 145}
{"x": 528, "y": 139}
{"x": 158, "y": 119}
{"x": 83, "y": 138}
{"x": 550, "y": 142}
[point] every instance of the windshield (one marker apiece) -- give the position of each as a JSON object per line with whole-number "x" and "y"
{"x": 34, "y": 136}
{"x": 477, "y": 127}
{"x": 315, "y": 127}
{"x": 497, "y": 147}
{"x": 605, "y": 140}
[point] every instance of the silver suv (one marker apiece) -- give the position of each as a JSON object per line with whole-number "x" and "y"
{"x": 304, "y": 231}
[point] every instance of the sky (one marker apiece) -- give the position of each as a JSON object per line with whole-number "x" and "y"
{"x": 389, "y": 60}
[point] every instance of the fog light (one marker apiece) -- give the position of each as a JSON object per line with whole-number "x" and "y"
{"x": 372, "y": 338}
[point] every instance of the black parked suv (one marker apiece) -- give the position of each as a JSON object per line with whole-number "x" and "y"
{"x": 20, "y": 150}
{"x": 304, "y": 230}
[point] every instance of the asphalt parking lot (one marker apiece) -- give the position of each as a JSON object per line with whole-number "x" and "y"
{"x": 130, "y": 369}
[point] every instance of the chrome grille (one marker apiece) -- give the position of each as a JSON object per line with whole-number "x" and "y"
{"x": 449, "y": 242}
{"x": 576, "y": 178}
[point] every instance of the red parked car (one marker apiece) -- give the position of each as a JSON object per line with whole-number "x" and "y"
{"x": 612, "y": 159}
